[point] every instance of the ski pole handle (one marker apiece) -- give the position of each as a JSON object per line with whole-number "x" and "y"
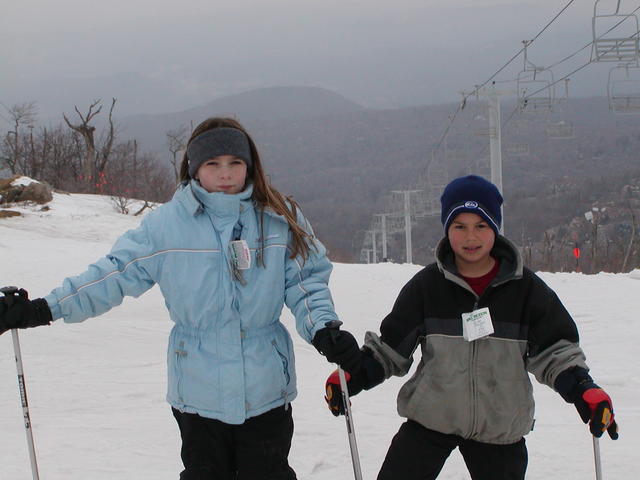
{"x": 353, "y": 446}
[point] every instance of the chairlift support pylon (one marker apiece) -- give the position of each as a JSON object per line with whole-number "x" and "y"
{"x": 480, "y": 166}
{"x": 480, "y": 117}
{"x": 536, "y": 87}
{"x": 610, "y": 46}
{"x": 623, "y": 89}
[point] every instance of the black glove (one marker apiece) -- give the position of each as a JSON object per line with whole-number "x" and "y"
{"x": 17, "y": 311}
{"x": 339, "y": 346}
{"x": 370, "y": 374}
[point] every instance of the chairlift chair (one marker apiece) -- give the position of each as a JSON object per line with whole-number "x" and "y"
{"x": 536, "y": 87}
{"x": 623, "y": 89}
{"x": 559, "y": 130}
{"x": 608, "y": 44}
{"x": 516, "y": 146}
{"x": 517, "y": 149}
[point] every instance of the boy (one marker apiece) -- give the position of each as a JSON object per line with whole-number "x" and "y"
{"x": 483, "y": 321}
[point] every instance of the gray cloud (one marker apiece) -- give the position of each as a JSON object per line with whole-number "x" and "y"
{"x": 160, "y": 56}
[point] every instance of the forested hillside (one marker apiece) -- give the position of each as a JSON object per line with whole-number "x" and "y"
{"x": 340, "y": 161}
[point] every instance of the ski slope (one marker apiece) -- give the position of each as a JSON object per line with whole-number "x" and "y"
{"x": 96, "y": 389}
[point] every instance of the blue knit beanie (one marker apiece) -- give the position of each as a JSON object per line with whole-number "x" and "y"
{"x": 471, "y": 194}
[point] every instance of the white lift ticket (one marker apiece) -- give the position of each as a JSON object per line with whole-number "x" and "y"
{"x": 476, "y": 324}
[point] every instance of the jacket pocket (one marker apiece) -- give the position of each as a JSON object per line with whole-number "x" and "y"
{"x": 285, "y": 363}
{"x": 268, "y": 372}
{"x": 194, "y": 373}
{"x": 505, "y": 405}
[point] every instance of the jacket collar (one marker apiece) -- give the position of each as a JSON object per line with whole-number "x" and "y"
{"x": 511, "y": 266}
{"x": 196, "y": 199}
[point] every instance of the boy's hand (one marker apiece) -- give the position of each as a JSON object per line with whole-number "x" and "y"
{"x": 333, "y": 395}
{"x": 595, "y": 408}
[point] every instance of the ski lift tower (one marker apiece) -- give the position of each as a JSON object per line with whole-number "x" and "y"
{"x": 409, "y": 211}
{"x": 386, "y": 223}
{"x": 365, "y": 255}
{"x": 495, "y": 134}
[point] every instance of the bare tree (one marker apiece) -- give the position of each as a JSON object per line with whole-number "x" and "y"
{"x": 176, "y": 142}
{"x": 62, "y": 152}
{"x": 21, "y": 115}
{"x": 547, "y": 253}
{"x": 95, "y": 160}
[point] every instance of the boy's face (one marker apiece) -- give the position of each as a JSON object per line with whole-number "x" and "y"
{"x": 471, "y": 240}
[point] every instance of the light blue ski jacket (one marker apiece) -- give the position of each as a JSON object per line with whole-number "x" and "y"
{"x": 229, "y": 357}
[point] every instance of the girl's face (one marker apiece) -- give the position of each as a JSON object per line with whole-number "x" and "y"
{"x": 471, "y": 240}
{"x": 224, "y": 173}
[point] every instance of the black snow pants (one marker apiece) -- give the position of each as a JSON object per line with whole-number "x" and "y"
{"x": 258, "y": 449}
{"x": 417, "y": 453}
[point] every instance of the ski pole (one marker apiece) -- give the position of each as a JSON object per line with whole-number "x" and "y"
{"x": 9, "y": 292}
{"x": 596, "y": 457}
{"x": 355, "y": 458}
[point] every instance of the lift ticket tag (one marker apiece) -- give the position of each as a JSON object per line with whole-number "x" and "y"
{"x": 476, "y": 324}
{"x": 241, "y": 254}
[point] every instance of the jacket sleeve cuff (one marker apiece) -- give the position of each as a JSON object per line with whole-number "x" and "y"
{"x": 56, "y": 312}
{"x": 372, "y": 371}
{"x": 572, "y": 383}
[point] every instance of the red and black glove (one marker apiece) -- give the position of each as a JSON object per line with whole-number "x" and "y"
{"x": 370, "y": 375}
{"x": 333, "y": 395}
{"x": 593, "y": 404}
{"x": 595, "y": 408}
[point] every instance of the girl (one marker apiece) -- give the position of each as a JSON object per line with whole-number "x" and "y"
{"x": 227, "y": 252}
{"x": 483, "y": 321}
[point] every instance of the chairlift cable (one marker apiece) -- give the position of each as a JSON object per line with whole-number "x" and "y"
{"x": 578, "y": 51}
{"x": 477, "y": 88}
{"x": 591, "y": 42}
{"x": 569, "y": 74}
{"x": 528, "y": 43}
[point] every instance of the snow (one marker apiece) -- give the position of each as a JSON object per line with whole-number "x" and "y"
{"x": 96, "y": 390}
{"x": 23, "y": 181}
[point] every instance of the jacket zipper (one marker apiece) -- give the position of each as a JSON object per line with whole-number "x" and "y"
{"x": 180, "y": 352}
{"x": 285, "y": 370}
{"x": 223, "y": 254}
{"x": 472, "y": 362}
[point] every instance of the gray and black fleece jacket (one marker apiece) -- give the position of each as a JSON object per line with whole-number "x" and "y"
{"x": 479, "y": 390}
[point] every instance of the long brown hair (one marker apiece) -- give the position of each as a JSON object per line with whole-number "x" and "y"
{"x": 264, "y": 194}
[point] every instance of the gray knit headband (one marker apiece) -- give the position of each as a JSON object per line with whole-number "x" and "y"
{"x": 216, "y": 142}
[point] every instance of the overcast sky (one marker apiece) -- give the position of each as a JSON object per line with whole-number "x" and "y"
{"x": 159, "y": 56}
